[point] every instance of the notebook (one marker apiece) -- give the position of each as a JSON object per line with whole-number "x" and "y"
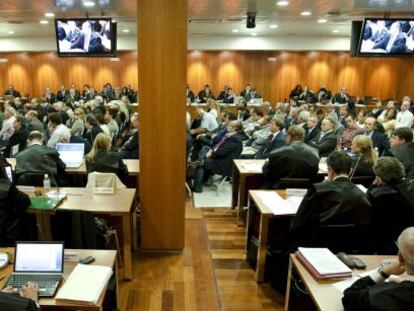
{"x": 44, "y": 203}
{"x": 322, "y": 263}
{"x": 38, "y": 262}
{"x": 71, "y": 154}
{"x": 85, "y": 284}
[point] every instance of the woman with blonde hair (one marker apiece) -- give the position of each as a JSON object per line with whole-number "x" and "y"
{"x": 102, "y": 159}
{"x": 78, "y": 122}
{"x": 213, "y": 108}
{"x": 365, "y": 156}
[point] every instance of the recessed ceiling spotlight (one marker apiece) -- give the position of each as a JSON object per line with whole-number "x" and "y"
{"x": 44, "y": 22}
{"x": 49, "y": 14}
{"x": 125, "y": 30}
{"x": 273, "y": 26}
{"x": 89, "y": 3}
{"x": 282, "y": 3}
{"x": 254, "y": 34}
{"x": 306, "y": 13}
{"x": 11, "y": 32}
{"x": 335, "y": 31}
{"x": 322, "y": 21}
{"x": 235, "y": 30}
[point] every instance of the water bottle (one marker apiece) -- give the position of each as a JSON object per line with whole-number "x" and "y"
{"x": 46, "y": 183}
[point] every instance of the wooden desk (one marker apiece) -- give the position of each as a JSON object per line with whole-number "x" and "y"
{"x": 120, "y": 204}
{"x": 244, "y": 169}
{"x": 323, "y": 294}
{"x": 133, "y": 167}
{"x": 102, "y": 258}
{"x": 256, "y": 206}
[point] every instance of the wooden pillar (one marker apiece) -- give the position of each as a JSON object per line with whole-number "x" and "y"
{"x": 162, "y": 65}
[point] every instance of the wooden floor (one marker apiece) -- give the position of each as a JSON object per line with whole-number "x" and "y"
{"x": 210, "y": 273}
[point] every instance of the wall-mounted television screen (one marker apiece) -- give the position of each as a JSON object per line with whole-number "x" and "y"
{"x": 387, "y": 37}
{"x": 86, "y": 37}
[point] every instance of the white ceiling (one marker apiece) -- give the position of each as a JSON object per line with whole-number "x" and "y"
{"x": 208, "y": 17}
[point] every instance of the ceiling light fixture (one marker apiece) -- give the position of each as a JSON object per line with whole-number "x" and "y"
{"x": 125, "y": 30}
{"x": 11, "y": 32}
{"x": 335, "y": 31}
{"x": 322, "y": 21}
{"x": 44, "y": 22}
{"x": 254, "y": 34}
{"x": 282, "y": 3}
{"x": 273, "y": 26}
{"x": 235, "y": 30}
{"x": 306, "y": 13}
{"x": 49, "y": 14}
{"x": 89, "y": 3}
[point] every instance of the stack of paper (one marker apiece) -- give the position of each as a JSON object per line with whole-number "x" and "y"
{"x": 274, "y": 202}
{"x": 253, "y": 167}
{"x": 85, "y": 284}
{"x": 322, "y": 263}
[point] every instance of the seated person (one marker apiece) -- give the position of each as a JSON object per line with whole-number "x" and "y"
{"x": 92, "y": 128}
{"x": 326, "y": 140}
{"x": 253, "y": 122}
{"x": 75, "y": 139}
{"x": 372, "y": 293}
{"x": 102, "y": 159}
{"x": 379, "y": 140}
{"x": 402, "y": 148}
{"x": 311, "y": 128}
{"x": 306, "y": 95}
{"x": 229, "y": 96}
{"x": 27, "y": 299}
{"x": 295, "y": 93}
{"x": 207, "y": 123}
{"x": 56, "y": 128}
{"x": 275, "y": 140}
{"x": 351, "y": 130}
{"x": 14, "y": 221}
{"x": 296, "y": 160}
{"x": 130, "y": 149}
{"x": 242, "y": 112}
{"x": 219, "y": 160}
{"x": 39, "y": 159}
{"x": 205, "y": 94}
{"x": 18, "y": 138}
{"x": 392, "y": 200}
{"x": 365, "y": 156}
{"x": 342, "y": 97}
{"x": 252, "y": 95}
{"x": 33, "y": 122}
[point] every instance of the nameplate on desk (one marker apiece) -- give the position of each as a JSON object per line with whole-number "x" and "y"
{"x": 253, "y": 167}
{"x": 103, "y": 190}
{"x": 26, "y": 188}
{"x": 71, "y": 256}
{"x": 295, "y": 192}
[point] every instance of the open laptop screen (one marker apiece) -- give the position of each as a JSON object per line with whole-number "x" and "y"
{"x": 39, "y": 257}
{"x": 71, "y": 153}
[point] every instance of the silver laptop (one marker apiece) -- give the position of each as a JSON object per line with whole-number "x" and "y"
{"x": 71, "y": 154}
{"x": 38, "y": 262}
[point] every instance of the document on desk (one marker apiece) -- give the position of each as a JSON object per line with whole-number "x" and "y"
{"x": 253, "y": 166}
{"x": 85, "y": 284}
{"x": 278, "y": 205}
{"x": 345, "y": 284}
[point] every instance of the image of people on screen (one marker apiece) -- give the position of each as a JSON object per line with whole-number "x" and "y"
{"x": 388, "y": 37}
{"x": 80, "y": 36}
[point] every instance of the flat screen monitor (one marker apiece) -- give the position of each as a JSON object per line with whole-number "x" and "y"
{"x": 387, "y": 37}
{"x": 86, "y": 37}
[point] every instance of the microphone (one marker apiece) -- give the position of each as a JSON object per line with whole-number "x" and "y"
{"x": 355, "y": 167}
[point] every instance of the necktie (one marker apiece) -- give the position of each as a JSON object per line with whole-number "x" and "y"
{"x": 86, "y": 43}
{"x": 221, "y": 142}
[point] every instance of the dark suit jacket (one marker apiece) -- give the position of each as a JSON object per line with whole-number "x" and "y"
{"x": 405, "y": 153}
{"x": 202, "y": 96}
{"x": 95, "y": 43}
{"x": 309, "y": 136}
{"x": 191, "y": 96}
{"x": 18, "y": 138}
{"x": 249, "y": 96}
{"x": 16, "y": 303}
{"x": 221, "y": 161}
{"x": 50, "y": 100}
{"x": 130, "y": 149}
{"x": 108, "y": 162}
{"x": 325, "y": 145}
{"x": 397, "y": 47}
{"x": 387, "y": 222}
{"x": 380, "y": 142}
{"x": 14, "y": 93}
{"x": 328, "y": 203}
{"x": 337, "y": 98}
{"x": 60, "y": 97}
{"x": 296, "y": 160}
{"x": 77, "y": 139}
{"x": 365, "y": 295}
{"x": 271, "y": 146}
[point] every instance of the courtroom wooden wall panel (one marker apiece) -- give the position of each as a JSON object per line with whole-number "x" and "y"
{"x": 378, "y": 77}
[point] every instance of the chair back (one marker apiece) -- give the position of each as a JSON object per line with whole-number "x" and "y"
{"x": 33, "y": 179}
{"x": 366, "y": 181}
{"x": 293, "y": 183}
{"x": 103, "y": 180}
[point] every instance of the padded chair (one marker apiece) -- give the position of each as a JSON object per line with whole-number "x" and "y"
{"x": 293, "y": 183}
{"x": 348, "y": 238}
{"x": 33, "y": 179}
{"x": 366, "y": 181}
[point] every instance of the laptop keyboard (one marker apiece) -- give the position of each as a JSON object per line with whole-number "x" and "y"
{"x": 42, "y": 280}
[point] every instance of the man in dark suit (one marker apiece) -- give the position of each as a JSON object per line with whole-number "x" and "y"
{"x": 11, "y": 91}
{"x": 89, "y": 40}
{"x": 219, "y": 160}
{"x": 326, "y": 140}
{"x": 252, "y": 95}
{"x": 190, "y": 94}
{"x": 373, "y": 293}
{"x": 394, "y": 41}
{"x": 296, "y": 160}
{"x": 62, "y": 94}
{"x": 242, "y": 112}
{"x": 379, "y": 140}
{"x": 25, "y": 300}
{"x": 18, "y": 138}
{"x": 49, "y": 96}
{"x": 205, "y": 94}
{"x": 311, "y": 128}
{"x": 275, "y": 140}
{"x": 246, "y": 91}
{"x": 39, "y": 159}
{"x": 223, "y": 93}
{"x": 229, "y": 96}
{"x": 402, "y": 148}
{"x": 342, "y": 97}
{"x": 130, "y": 149}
